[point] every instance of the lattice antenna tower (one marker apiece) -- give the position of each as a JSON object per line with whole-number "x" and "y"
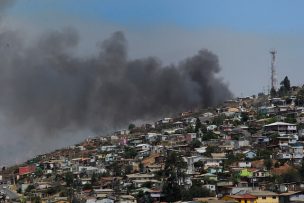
{"x": 273, "y": 70}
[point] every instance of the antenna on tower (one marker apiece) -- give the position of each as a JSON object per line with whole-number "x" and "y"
{"x": 273, "y": 71}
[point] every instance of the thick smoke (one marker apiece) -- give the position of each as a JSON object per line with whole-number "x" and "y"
{"x": 46, "y": 90}
{"x": 45, "y": 84}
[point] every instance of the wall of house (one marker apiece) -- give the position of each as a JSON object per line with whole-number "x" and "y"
{"x": 240, "y": 200}
{"x": 296, "y": 197}
{"x": 268, "y": 199}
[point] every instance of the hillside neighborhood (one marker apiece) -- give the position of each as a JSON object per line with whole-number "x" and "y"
{"x": 246, "y": 150}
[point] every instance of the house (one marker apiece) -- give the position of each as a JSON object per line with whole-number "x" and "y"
{"x": 218, "y": 155}
{"x": 265, "y": 196}
{"x": 222, "y": 186}
{"x": 122, "y": 132}
{"x": 212, "y": 162}
{"x": 190, "y": 137}
{"x": 104, "y": 200}
{"x": 103, "y": 191}
{"x": 296, "y": 151}
{"x": 241, "y": 143}
{"x": 226, "y": 147}
{"x": 291, "y": 197}
{"x": 215, "y": 170}
{"x": 156, "y": 194}
{"x": 250, "y": 154}
{"x": 245, "y": 198}
{"x": 111, "y": 157}
{"x": 244, "y": 164}
{"x": 107, "y": 148}
{"x": 209, "y": 177}
{"x": 281, "y": 127}
{"x": 163, "y": 122}
{"x": 143, "y": 147}
{"x": 140, "y": 176}
{"x": 152, "y": 137}
{"x": 284, "y": 140}
{"x": 139, "y": 183}
{"x": 213, "y": 200}
{"x": 200, "y": 150}
{"x": 261, "y": 173}
{"x": 210, "y": 187}
{"x": 142, "y": 154}
{"x": 211, "y": 127}
{"x": 126, "y": 199}
{"x": 90, "y": 170}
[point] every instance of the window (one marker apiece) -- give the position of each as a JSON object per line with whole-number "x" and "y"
{"x": 263, "y": 197}
{"x": 274, "y": 197}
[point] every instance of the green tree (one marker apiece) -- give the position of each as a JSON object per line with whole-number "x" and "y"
{"x": 268, "y": 163}
{"x": 300, "y": 96}
{"x": 29, "y": 188}
{"x": 219, "y": 120}
{"x": 115, "y": 169}
{"x": 147, "y": 184}
{"x": 244, "y": 117}
{"x": 195, "y": 144}
{"x": 190, "y": 129}
{"x": 204, "y": 129}
{"x": 87, "y": 186}
{"x": 272, "y": 120}
{"x": 130, "y": 153}
{"x": 131, "y": 126}
{"x": 198, "y": 164}
{"x": 210, "y": 149}
{"x": 232, "y": 158}
{"x": 69, "y": 179}
{"x": 198, "y": 125}
{"x": 128, "y": 169}
{"x": 36, "y": 199}
{"x": 174, "y": 170}
{"x": 264, "y": 153}
{"x": 291, "y": 176}
{"x": 39, "y": 172}
{"x": 301, "y": 170}
{"x": 286, "y": 83}
{"x": 141, "y": 167}
{"x": 195, "y": 191}
{"x": 209, "y": 135}
{"x": 290, "y": 120}
{"x": 273, "y": 93}
{"x": 52, "y": 190}
{"x": 285, "y": 87}
{"x": 94, "y": 178}
{"x": 277, "y": 164}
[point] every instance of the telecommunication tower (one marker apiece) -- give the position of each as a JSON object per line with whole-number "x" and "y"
{"x": 273, "y": 71}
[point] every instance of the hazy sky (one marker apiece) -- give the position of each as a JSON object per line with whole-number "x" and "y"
{"x": 240, "y": 32}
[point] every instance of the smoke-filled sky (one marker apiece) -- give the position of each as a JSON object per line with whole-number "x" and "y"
{"x": 70, "y": 69}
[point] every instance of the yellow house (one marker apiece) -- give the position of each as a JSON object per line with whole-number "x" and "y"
{"x": 266, "y": 196}
{"x": 57, "y": 201}
{"x": 246, "y": 198}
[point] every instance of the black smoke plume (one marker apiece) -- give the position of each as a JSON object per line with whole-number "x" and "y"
{"x": 46, "y": 84}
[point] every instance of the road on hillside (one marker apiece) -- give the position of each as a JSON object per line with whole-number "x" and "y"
{"x": 11, "y": 194}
